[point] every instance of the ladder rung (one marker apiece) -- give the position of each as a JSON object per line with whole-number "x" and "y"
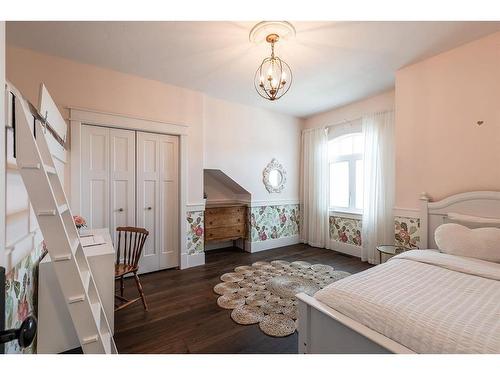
{"x": 61, "y": 209}
{"x": 90, "y": 339}
{"x": 30, "y": 166}
{"x": 75, "y": 299}
{"x": 50, "y": 170}
{"x": 47, "y": 213}
{"x": 60, "y": 258}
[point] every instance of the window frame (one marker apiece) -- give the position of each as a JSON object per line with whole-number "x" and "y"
{"x": 337, "y": 132}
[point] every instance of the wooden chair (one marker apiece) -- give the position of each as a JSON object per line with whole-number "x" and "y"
{"x": 128, "y": 253}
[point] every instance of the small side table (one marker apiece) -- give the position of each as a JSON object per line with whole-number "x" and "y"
{"x": 389, "y": 249}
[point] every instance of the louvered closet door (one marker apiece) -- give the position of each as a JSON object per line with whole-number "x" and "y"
{"x": 157, "y": 199}
{"x": 95, "y": 176}
{"x": 122, "y": 179}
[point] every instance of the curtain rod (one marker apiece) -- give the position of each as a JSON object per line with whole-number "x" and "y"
{"x": 333, "y": 125}
{"x": 346, "y": 121}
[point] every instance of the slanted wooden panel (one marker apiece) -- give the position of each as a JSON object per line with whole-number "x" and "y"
{"x": 48, "y": 108}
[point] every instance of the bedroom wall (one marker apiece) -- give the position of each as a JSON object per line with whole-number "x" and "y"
{"x": 439, "y": 147}
{"x": 241, "y": 140}
{"x": 216, "y": 127}
{"x": 252, "y": 137}
{"x": 377, "y": 103}
{"x": 87, "y": 86}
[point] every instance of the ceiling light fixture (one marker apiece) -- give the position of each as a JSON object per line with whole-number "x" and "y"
{"x": 273, "y": 77}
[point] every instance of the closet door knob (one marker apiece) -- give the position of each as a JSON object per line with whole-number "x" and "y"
{"x": 120, "y": 210}
{"x": 149, "y": 208}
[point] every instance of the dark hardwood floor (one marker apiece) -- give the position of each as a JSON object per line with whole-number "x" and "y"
{"x": 183, "y": 315}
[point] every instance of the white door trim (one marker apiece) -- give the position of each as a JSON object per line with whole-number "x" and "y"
{"x": 79, "y": 117}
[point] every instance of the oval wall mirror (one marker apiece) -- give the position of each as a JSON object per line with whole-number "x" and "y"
{"x": 274, "y": 177}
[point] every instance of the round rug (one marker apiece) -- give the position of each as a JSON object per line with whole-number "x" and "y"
{"x": 277, "y": 325}
{"x": 247, "y": 315}
{"x": 264, "y": 292}
{"x": 289, "y": 286}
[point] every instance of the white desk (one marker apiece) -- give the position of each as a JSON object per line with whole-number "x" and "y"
{"x": 56, "y": 332}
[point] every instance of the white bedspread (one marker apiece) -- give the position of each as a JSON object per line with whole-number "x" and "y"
{"x": 427, "y": 301}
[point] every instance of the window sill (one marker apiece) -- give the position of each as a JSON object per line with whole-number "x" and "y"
{"x": 345, "y": 213}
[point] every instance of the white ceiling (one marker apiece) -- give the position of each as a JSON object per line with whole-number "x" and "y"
{"x": 334, "y": 63}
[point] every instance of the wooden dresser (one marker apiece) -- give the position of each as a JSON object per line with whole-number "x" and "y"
{"x": 225, "y": 222}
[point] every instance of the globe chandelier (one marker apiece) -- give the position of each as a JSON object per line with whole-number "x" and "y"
{"x": 273, "y": 77}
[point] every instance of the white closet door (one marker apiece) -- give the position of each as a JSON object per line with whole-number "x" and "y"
{"x": 169, "y": 208}
{"x": 122, "y": 179}
{"x": 157, "y": 199}
{"x": 95, "y": 176}
{"x": 148, "y": 195}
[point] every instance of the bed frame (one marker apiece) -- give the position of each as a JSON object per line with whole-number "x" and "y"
{"x": 325, "y": 330}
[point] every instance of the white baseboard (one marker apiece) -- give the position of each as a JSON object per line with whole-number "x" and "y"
{"x": 254, "y": 247}
{"x": 195, "y": 260}
{"x": 345, "y": 248}
{"x": 188, "y": 261}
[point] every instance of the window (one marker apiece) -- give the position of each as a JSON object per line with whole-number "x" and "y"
{"x": 345, "y": 157}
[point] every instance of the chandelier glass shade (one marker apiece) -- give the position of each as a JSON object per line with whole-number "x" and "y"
{"x": 274, "y": 77}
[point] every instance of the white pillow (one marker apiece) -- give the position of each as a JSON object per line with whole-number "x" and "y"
{"x": 481, "y": 243}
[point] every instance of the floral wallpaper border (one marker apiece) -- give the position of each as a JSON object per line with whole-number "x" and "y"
{"x": 407, "y": 232}
{"x": 195, "y": 232}
{"x": 21, "y": 296}
{"x": 273, "y": 222}
{"x": 348, "y": 230}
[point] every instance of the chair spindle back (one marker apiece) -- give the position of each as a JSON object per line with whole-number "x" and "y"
{"x": 129, "y": 248}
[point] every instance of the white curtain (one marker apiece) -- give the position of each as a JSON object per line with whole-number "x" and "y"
{"x": 314, "y": 188}
{"x": 379, "y": 172}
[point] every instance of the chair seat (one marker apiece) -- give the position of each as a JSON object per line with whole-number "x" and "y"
{"x": 122, "y": 269}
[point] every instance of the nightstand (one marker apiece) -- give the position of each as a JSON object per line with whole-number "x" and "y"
{"x": 389, "y": 249}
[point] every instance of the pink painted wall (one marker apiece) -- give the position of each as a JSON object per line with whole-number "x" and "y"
{"x": 242, "y": 140}
{"x": 74, "y": 84}
{"x": 353, "y": 111}
{"x": 439, "y": 147}
{"x": 218, "y": 129}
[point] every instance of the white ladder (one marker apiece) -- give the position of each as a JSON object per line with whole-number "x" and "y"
{"x": 70, "y": 264}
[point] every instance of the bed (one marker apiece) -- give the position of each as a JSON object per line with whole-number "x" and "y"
{"x": 421, "y": 301}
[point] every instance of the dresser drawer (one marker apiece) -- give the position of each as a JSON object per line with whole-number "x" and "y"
{"x": 224, "y": 217}
{"x": 225, "y": 233}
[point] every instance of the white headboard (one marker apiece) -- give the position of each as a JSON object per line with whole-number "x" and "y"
{"x": 475, "y": 203}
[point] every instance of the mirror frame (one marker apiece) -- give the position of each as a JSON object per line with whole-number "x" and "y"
{"x": 274, "y": 165}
